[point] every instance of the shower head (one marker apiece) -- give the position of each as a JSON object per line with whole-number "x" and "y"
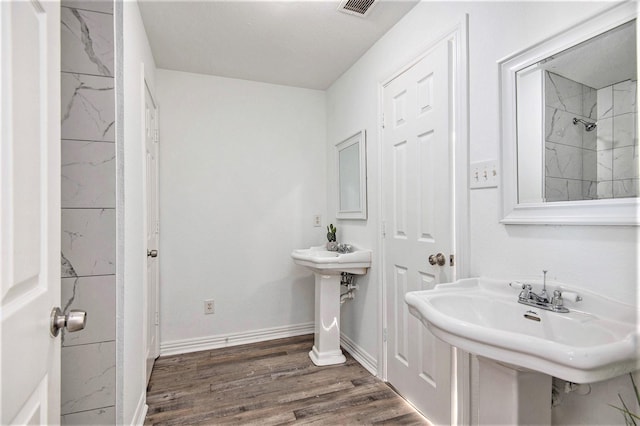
{"x": 588, "y": 126}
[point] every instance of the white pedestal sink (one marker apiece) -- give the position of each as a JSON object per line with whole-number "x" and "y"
{"x": 512, "y": 396}
{"x": 521, "y": 347}
{"x": 327, "y": 267}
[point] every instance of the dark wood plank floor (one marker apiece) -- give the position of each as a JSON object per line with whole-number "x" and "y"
{"x": 269, "y": 383}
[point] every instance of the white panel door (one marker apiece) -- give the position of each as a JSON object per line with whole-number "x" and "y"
{"x": 29, "y": 211}
{"x": 151, "y": 177}
{"x": 417, "y": 185}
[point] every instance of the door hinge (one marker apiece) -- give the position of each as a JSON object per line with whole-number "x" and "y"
{"x": 383, "y": 121}
{"x": 156, "y": 137}
{"x": 157, "y": 319}
{"x": 383, "y": 229}
{"x": 157, "y": 227}
{"x": 452, "y": 260}
{"x": 384, "y": 335}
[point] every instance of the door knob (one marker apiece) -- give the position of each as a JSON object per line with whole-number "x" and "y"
{"x": 437, "y": 259}
{"x": 152, "y": 253}
{"x": 75, "y": 320}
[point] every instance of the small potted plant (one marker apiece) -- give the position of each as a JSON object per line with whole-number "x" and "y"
{"x": 332, "y": 245}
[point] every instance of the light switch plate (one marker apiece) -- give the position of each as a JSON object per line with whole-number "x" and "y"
{"x": 484, "y": 174}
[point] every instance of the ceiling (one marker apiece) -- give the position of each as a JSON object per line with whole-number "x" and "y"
{"x": 601, "y": 61}
{"x": 303, "y": 43}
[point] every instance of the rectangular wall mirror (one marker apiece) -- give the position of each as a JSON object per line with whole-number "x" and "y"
{"x": 569, "y": 122}
{"x": 352, "y": 177}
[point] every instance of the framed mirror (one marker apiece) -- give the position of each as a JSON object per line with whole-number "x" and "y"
{"x": 569, "y": 126}
{"x": 352, "y": 177}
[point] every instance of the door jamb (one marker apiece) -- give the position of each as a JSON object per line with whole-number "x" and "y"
{"x": 460, "y": 361}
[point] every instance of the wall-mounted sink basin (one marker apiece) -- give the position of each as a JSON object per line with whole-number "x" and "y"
{"x": 319, "y": 259}
{"x": 596, "y": 340}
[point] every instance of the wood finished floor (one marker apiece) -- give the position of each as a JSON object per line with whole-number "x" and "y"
{"x": 270, "y": 383}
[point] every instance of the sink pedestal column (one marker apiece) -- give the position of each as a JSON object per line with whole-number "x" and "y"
{"x": 326, "y": 345}
{"x": 512, "y": 396}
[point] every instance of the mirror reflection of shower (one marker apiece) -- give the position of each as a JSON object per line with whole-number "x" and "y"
{"x": 590, "y": 112}
{"x": 588, "y": 126}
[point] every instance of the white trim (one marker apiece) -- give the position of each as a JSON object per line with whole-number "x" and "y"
{"x": 380, "y": 253}
{"x": 233, "y": 339}
{"x": 591, "y": 212}
{"x": 359, "y": 354}
{"x": 461, "y": 153}
{"x": 458, "y": 35}
{"x": 461, "y": 406}
{"x": 118, "y": 15}
{"x": 141, "y": 410}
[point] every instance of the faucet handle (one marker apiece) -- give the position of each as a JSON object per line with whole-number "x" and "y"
{"x": 526, "y": 289}
{"x": 344, "y": 248}
{"x": 572, "y": 296}
{"x": 557, "y": 300}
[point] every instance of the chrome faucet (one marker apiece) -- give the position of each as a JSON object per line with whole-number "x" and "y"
{"x": 543, "y": 294}
{"x": 343, "y": 248}
{"x": 528, "y": 297}
{"x": 542, "y": 297}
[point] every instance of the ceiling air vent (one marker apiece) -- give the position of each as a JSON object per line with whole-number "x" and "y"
{"x": 356, "y": 7}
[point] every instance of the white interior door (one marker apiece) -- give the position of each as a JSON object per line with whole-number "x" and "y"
{"x": 418, "y": 217}
{"x": 151, "y": 148}
{"x": 29, "y": 211}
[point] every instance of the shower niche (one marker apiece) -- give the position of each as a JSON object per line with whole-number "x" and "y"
{"x": 569, "y": 125}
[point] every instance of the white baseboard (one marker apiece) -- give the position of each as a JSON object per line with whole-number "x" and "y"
{"x": 359, "y": 354}
{"x": 141, "y": 410}
{"x": 233, "y": 339}
{"x": 176, "y": 347}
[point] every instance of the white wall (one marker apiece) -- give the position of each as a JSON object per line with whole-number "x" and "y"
{"x": 137, "y": 60}
{"x": 602, "y": 259}
{"x": 242, "y": 172}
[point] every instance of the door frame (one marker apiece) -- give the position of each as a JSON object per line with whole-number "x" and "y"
{"x": 460, "y": 362}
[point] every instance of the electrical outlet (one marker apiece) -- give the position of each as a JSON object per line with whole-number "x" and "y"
{"x": 209, "y": 307}
{"x": 317, "y": 220}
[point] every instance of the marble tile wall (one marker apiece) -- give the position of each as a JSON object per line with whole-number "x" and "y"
{"x": 570, "y": 151}
{"x": 617, "y": 141}
{"x": 88, "y": 210}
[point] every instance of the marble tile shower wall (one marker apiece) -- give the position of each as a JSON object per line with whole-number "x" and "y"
{"x": 581, "y": 165}
{"x": 88, "y": 210}
{"x": 617, "y": 145}
{"x": 570, "y": 151}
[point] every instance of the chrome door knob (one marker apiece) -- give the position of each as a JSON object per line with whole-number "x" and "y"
{"x": 437, "y": 259}
{"x": 75, "y": 320}
{"x": 152, "y": 253}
